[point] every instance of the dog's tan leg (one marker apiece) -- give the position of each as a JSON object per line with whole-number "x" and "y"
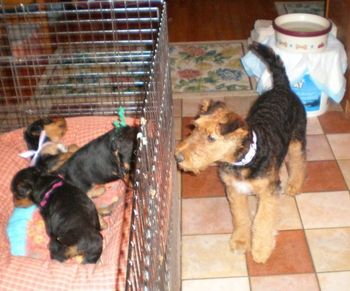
{"x": 103, "y": 223}
{"x": 240, "y": 238}
{"x": 296, "y": 168}
{"x": 106, "y": 210}
{"x": 263, "y": 230}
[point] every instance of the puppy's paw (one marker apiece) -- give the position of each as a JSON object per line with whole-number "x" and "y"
{"x": 96, "y": 192}
{"x": 106, "y": 210}
{"x": 262, "y": 249}
{"x": 103, "y": 223}
{"x": 72, "y": 148}
{"x": 239, "y": 242}
{"x": 292, "y": 190}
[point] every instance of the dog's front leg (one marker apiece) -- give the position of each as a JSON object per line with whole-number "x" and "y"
{"x": 263, "y": 241}
{"x": 240, "y": 238}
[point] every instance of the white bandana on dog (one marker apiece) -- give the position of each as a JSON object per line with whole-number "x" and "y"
{"x": 250, "y": 154}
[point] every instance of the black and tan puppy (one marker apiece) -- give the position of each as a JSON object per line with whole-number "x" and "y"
{"x": 105, "y": 159}
{"x": 71, "y": 218}
{"x": 55, "y": 129}
{"x": 250, "y": 152}
{"x": 42, "y": 138}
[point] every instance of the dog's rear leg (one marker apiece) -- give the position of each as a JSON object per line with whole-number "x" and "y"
{"x": 296, "y": 166}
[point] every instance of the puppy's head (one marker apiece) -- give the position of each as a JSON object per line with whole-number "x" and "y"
{"x": 22, "y": 186}
{"x": 55, "y": 129}
{"x": 217, "y": 136}
{"x": 122, "y": 145}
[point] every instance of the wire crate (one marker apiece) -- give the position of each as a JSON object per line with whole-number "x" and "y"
{"x": 87, "y": 58}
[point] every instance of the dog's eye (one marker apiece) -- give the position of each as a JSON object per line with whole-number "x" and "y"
{"x": 211, "y": 138}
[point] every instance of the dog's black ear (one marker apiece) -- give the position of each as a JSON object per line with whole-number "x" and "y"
{"x": 209, "y": 107}
{"x": 229, "y": 127}
{"x": 114, "y": 144}
{"x": 23, "y": 189}
{"x": 232, "y": 125}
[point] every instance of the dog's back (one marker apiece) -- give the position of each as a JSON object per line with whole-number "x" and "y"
{"x": 104, "y": 159}
{"x": 71, "y": 220}
{"x": 277, "y": 116}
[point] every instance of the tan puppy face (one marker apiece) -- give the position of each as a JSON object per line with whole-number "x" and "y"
{"x": 56, "y": 130}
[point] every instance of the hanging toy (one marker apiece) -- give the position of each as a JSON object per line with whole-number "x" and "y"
{"x": 122, "y": 121}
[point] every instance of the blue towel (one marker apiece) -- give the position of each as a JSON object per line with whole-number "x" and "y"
{"x": 17, "y": 229}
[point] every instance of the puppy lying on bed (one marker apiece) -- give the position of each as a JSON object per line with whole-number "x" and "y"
{"x": 71, "y": 218}
{"x": 55, "y": 129}
{"x": 105, "y": 159}
{"x": 42, "y": 138}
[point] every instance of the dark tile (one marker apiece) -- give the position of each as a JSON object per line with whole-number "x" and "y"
{"x": 205, "y": 184}
{"x": 291, "y": 256}
{"x": 335, "y": 122}
{"x": 323, "y": 176}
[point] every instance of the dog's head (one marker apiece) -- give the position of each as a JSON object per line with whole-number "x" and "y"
{"x": 55, "y": 128}
{"x": 123, "y": 143}
{"x": 22, "y": 186}
{"x": 217, "y": 136}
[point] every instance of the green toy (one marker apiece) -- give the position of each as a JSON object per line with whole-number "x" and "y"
{"x": 121, "y": 122}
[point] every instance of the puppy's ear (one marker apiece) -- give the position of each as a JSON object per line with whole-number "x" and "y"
{"x": 205, "y": 106}
{"x": 23, "y": 189}
{"x": 114, "y": 144}
{"x": 232, "y": 124}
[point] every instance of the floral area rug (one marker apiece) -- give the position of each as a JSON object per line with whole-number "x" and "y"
{"x": 312, "y": 7}
{"x": 208, "y": 67}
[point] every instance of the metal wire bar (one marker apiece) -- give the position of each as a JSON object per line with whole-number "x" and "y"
{"x": 87, "y": 58}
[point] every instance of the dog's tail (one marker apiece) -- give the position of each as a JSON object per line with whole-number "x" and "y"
{"x": 274, "y": 63}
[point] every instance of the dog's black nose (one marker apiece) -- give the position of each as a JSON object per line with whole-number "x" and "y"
{"x": 179, "y": 157}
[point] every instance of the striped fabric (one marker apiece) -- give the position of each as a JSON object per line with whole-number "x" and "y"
{"x": 24, "y": 273}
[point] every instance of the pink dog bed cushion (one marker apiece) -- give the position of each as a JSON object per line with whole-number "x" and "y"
{"x": 41, "y": 273}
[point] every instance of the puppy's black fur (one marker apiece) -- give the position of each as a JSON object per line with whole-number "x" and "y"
{"x": 70, "y": 216}
{"x": 278, "y": 117}
{"x": 104, "y": 159}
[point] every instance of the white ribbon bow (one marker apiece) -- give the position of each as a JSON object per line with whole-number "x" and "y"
{"x": 35, "y": 154}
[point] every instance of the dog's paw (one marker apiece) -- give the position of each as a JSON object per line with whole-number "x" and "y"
{"x": 106, "y": 210}
{"x": 262, "y": 249}
{"x": 103, "y": 223}
{"x": 292, "y": 190}
{"x": 96, "y": 192}
{"x": 240, "y": 243}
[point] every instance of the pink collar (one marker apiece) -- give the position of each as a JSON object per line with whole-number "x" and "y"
{"x": 48, "y": 193}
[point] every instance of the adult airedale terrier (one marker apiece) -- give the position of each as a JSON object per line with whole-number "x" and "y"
{"x": 250, "y": 152}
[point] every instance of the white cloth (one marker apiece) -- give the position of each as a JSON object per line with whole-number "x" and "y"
{"x": 262, "y": 29}
{"x": 34, "y": 155}
{"x": 325, "y": 68}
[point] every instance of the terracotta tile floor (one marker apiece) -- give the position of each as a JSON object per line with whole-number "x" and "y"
{"x": 313, "y": 244}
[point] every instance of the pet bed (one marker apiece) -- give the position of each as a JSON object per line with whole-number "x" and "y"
{"x": 26, "y": 273}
